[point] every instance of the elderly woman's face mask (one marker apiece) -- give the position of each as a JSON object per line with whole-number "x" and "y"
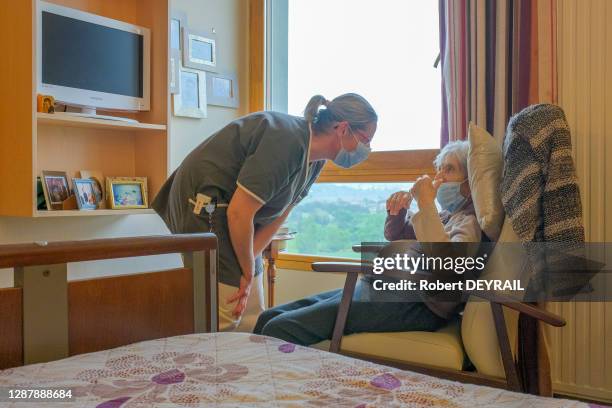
{"x": 449, "y": 193}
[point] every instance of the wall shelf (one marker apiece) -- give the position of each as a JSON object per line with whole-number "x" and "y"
{"x": 91, "y": 213}
{"x": 32, "y": 142}
{"x": 91, "y": 123}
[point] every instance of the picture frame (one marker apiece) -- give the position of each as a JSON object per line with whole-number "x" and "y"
{"x": 191, "y": 102}
{"x": 86, "y": 197}
{"x": 56, "y": 188}
{"x": 200, "y": 50}
{"x": 178, "y": 21}
{"x": 99, "y": 185}
{"x": 174, "y": 71}
{"x": 127, "y": 193}
{"x": 222, "y": 89}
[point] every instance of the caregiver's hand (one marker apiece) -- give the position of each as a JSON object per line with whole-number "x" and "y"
{"x": 240, "y": 214}
{"x": 424, "y": 190}
{"x": 397, "y": 201}
{"x": 241, "y": 295}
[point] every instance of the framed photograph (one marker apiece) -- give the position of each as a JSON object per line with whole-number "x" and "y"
{"x": 178, "y": 21}
{"x": 222, "y": 90}
{"x": 199, "y": 50}
{"x": 127, "y": 192}
{"x": 55, "y": 188}
{"x": 175, "y": 72}
{"x": 99, "y": 186}
{"x": 86, "y": 197}
{"x": 191, "y": 102}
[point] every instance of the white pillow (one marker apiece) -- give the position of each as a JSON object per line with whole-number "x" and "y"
{"x": 485, "y": 164}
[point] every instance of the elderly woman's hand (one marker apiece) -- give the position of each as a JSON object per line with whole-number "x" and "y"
{"x": 397, "y": 201}
{"x": 424, "y": 190}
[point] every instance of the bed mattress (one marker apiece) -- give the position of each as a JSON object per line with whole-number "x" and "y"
{"x": 243, "y": 370}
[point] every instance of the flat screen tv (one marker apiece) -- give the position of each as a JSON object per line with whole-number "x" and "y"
{"x": 89, "y": 61}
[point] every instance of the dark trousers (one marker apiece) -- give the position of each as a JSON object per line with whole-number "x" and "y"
{"x": 311, "y": 320}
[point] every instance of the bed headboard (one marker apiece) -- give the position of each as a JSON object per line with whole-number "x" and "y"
{"x": 46, "y": 317}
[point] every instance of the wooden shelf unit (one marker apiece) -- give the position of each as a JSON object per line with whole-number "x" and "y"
{"x": 31, "y": 142}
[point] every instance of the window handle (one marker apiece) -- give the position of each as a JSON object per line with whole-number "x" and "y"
{"x": 437, "y": 61}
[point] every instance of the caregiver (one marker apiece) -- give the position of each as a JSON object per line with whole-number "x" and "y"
{"x": 251, "y": 173}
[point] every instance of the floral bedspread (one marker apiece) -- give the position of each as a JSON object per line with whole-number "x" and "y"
{"x": 243, "y": 370}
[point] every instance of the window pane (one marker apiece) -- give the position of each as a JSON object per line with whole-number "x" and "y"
{"x": 336, "y": 216}
{"x": 383, "y": 50}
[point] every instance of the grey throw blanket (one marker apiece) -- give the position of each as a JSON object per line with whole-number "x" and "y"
{"x": 539, "y": 186}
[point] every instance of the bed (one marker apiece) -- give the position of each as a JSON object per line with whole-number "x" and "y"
{"x": 239, "y": 369}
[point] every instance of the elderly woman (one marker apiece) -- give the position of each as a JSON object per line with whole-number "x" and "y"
{"x": 311, "y": 320}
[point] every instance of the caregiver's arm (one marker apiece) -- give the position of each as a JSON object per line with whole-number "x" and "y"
{"x": 263, "y": 236}
{"x": 240, "y": 215}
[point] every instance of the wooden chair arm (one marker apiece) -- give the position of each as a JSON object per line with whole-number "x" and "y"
{"x": 526, "y": 308}
{"x": 370, "y": 248}
{"x": 342, "y": 267}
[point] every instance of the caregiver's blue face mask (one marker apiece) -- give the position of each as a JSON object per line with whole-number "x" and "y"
{"x": 347, "y": 159}
{"x": 449, "y": 196}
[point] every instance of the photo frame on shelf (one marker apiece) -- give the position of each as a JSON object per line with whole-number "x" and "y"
{"x": 99, "y": 185}
{"x": 175, "y": 72}
{"x": 200, "y": 50}
{"x": 178, "y": 21}
{"x": 86, "y": 197}
{"x": 191, "y": 102}
{"x": 222, "y": 89}
{"x": 56, "y": 188}
{"x": 127, "y": 192}
{"x": 41, "y": 203}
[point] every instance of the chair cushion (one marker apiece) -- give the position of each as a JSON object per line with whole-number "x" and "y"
{"x": 485, "y": 165}
{"x": 478, "y": 329}
{"x": 439, "y": 349}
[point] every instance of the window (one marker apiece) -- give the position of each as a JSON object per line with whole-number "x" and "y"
{"x": 336, "y": 216}
{"x": 385, "y": 51}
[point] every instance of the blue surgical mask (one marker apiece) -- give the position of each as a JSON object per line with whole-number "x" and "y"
{"x": 347, "y": 159}
{"x": 449, "y": 196}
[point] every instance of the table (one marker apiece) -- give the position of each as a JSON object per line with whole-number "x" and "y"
{"x": 270, "y": 254}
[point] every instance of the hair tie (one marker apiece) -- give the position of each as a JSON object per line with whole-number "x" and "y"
{"x": 315, "y": 119}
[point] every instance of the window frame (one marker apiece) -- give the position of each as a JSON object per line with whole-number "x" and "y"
{"x": 383, "y": 166}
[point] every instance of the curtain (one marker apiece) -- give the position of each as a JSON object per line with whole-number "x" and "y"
{"x": 496, "y": 57}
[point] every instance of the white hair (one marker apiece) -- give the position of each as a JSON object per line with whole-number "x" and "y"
{"x": 458, "y": 149}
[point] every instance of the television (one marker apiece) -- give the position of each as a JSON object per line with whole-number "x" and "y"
{"x": 92, "y": 62}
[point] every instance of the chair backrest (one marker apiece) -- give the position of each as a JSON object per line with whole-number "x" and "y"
{"x": 477, "y": 327}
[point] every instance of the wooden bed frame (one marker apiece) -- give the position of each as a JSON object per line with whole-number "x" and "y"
{"x": 45, "y": 317}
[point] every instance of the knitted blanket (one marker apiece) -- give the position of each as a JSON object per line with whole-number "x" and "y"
{"x": 539, "y": 186}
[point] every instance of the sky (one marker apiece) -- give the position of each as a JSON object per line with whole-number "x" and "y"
{"x": 383, "y": 50}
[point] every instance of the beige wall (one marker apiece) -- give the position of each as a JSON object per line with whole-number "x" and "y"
{"x": 228, "y": 17}
{"x": 291, "y": 285}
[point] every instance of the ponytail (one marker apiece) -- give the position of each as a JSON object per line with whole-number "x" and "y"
{"x": 312, "y": 108}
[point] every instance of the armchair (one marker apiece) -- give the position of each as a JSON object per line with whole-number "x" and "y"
{"x": 486, "y": 334}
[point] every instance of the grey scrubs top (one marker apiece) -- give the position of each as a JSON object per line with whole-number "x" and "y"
{"x": 265, "y": 153}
